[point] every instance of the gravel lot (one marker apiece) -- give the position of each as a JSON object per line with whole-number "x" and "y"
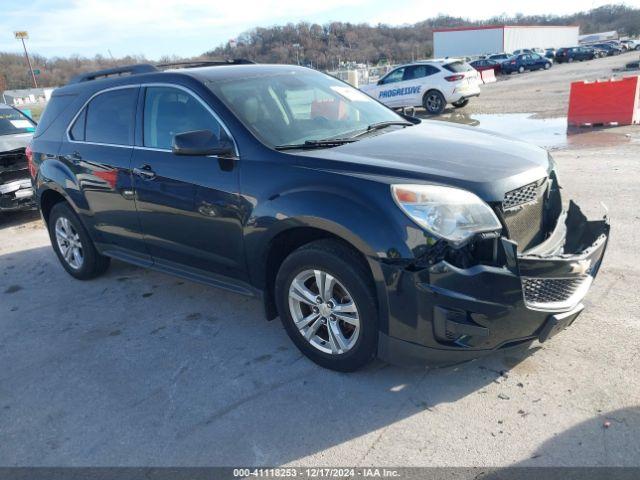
{"x": 140, "y": 368}
{"x": 545, "y": 93}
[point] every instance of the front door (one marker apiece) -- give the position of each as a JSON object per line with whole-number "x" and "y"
{"x": 189, "y": 206}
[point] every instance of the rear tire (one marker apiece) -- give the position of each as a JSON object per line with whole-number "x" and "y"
{"x": 434, "y": 102}
{"x": 521, "y": 69}
{"x": 72, "y": 244}
{"x": 570, "y": 60}
{"x": 319, "y": 285}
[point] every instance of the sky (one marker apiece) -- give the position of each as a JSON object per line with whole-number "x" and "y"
{"x": 191, "y": 27}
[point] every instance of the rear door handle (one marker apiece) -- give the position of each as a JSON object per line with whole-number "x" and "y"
{"x": 145, "y": 172}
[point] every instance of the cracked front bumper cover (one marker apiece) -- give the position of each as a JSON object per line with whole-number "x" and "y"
{"x": 445, "y": 315}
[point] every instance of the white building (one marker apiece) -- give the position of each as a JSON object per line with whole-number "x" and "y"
{"x": 469, "y": 41}
{"x": 26, "y": 96}
{"x": 598, "y": 37}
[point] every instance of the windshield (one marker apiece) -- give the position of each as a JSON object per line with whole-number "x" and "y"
{"x": 296, "y": 106}
{"x": 12, "y": 122}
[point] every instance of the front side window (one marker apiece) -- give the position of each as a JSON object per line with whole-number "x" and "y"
{"x": 396, "y": 76}
{"x": 289, "y": 107}
{"x": 111, "y": 116}
{"x": 169, "y": 111}
{"x": 12, "y": 122}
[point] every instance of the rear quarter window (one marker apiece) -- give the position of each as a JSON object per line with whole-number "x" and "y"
{"x": 56, "y": 106}
{"x": 458, "y": 67}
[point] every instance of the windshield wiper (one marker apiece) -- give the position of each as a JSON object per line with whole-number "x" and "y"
{"x": 380, "y": 125}
{"x": 315, "y": 144}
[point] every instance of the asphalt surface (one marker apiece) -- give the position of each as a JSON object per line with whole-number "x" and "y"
{"x": 139, "y": 368}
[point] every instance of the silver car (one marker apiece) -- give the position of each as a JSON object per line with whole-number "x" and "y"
{"x": 16, "y": 131}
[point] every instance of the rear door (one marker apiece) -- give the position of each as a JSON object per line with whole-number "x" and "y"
{"x": 189, "y": 206}
{"x": 97, "y": 148}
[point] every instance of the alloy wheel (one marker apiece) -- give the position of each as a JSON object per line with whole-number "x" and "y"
{"x": 324, "y": 312}
{"x": 69, "y": 243}
{"x": 434, "y": 102}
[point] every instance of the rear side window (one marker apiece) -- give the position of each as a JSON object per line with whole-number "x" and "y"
{"x": 458, "y": 67}
{"x": 110, "y": 117}
{"x": 57, "y": 104}
{"x": 419, "y": 71}
{"x": 170, "y": 111}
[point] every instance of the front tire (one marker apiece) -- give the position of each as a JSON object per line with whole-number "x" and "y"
{"x": 326, "y": 301}
{"x": 434, "y": 102}
{"x": 72, "y": 244}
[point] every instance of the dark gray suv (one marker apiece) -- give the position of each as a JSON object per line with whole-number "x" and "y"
{"x": 368, "y": 232}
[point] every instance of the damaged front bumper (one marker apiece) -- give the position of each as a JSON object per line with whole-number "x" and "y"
{"x": 16, "y": 195}
{"x": 443, "y": 314}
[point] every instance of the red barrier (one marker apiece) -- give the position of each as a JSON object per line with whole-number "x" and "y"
{"x": 605, "y": 102}
{"x": 488, "y": 76}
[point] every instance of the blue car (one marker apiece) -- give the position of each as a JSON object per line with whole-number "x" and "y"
{"x": 525, "y": 61}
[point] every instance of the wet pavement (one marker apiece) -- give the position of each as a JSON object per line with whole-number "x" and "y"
{"x": 550, "y": 133}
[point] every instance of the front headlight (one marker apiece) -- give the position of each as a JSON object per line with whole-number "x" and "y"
{"x": 451, "y": 213}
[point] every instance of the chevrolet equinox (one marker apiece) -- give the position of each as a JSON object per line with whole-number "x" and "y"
{"x": 369, "y": 233}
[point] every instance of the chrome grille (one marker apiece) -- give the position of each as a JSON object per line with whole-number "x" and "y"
{"x": 554, "y": 293}
{"x": 522, "y": 195}
{"x": 523, "y": 212}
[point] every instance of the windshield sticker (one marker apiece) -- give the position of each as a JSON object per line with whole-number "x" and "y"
{"x": 21, "y": 123}
{"x": 400, "y": 91}
{"x": 350, "y": 93}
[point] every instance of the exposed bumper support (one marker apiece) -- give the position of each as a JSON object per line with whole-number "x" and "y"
{"x": 16, "y": 195}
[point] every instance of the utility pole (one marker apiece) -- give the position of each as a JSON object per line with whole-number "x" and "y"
{"x": 22, "y": 36}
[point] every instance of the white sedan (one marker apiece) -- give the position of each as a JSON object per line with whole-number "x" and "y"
{"x": 430, "y": 84}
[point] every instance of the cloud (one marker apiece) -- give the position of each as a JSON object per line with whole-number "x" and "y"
{"x": 191, "y": 27}
{"x": 186, "y": 27}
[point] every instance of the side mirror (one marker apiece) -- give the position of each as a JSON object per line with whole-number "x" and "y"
{"x": 380, "y": 82}
{"x": 201, "y": 142}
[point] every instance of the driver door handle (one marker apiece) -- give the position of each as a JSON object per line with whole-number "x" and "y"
{"x": 145, "y": 172}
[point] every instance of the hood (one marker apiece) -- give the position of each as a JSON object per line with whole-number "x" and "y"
{"x": 486, "y": 163}
{"x": 15, "y": 141}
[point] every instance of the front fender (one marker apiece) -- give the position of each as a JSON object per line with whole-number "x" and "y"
{"x": 364, "y": 223}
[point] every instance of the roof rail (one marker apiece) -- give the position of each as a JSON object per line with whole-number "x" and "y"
{"x": 116, "y": 71}
{"x": 207, "y": 63}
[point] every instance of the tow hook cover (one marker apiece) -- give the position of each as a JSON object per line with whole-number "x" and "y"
{"x": 556, "y": 323}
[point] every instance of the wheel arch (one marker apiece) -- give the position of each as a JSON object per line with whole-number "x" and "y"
{"x": 290, "y": 238}
{"x": 437, "y": 90}
{"x": 49, "y": 197}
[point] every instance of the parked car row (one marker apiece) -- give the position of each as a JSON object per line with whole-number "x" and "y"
{"x": 525, "y": 59}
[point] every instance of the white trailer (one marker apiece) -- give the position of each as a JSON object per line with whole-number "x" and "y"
{"x": 471, "y": 41}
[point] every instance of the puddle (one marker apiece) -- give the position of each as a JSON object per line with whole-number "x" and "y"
{"x": 550, "y": 133}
